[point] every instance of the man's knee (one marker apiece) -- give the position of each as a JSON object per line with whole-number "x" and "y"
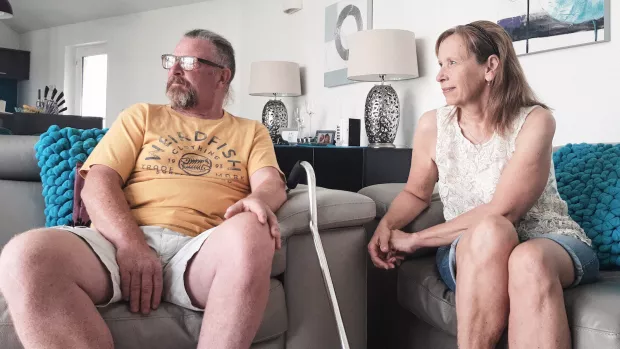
{"x": 492, "y": 237}
{"x": 249, "y": 242}
{"x": 33, "y": 256}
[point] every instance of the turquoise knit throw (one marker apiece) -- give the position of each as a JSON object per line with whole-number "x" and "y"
{"x": 58, "y": 151}
{"x": 588, "y": 180}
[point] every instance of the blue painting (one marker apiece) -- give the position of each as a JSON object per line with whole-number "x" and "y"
{"x": 543, "y": 25}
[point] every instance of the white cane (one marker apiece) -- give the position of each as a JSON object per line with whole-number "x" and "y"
{"x": 291, "y": 184}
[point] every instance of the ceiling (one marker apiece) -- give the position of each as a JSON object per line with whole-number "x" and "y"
{"x": 37, "y": 14}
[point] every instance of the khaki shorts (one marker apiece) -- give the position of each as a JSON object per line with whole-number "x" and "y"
{"x": 173, "y": 249}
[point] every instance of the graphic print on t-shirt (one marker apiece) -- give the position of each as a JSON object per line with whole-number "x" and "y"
{"x": 198, "y": 154}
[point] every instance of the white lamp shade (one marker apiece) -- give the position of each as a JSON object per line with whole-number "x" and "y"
{"x": 388, "y": 52}
{"x": 275, "y": 78}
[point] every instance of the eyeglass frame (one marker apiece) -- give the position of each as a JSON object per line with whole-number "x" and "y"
{"x": 201, "y": 60}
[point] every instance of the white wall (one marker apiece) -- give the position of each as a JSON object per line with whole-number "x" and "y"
{"x": 579, "y": 83}
{"x": 268, "y": 34}
{"x": 134, "y": 43}
{"x": 8, "y": 37}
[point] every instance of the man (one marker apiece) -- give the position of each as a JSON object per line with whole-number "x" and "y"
{"x": 182, "y": 198}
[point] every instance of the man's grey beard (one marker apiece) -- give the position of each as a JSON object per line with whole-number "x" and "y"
{"x": 182, "y": 99}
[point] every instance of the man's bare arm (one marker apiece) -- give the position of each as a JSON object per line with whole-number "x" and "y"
{"x": 268, "y": 186}
{"x": 267, "y": 196}
{"x": 108, "y": 209}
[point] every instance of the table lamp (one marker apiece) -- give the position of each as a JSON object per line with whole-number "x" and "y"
{"x": 277, "y": 79}
{"x": 6, "y": 11}
{"x": 382, "y": 55}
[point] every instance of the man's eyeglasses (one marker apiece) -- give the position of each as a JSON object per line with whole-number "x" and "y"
{"x": 187, "y": 62}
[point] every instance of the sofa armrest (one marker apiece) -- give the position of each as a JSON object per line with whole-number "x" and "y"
{"x": 431, "y": 216}
{"x": 384, "y": 194}
{"x": 335, "y": 208}
{"x": 341, "y": 219}
{"x": 311, "y": 322}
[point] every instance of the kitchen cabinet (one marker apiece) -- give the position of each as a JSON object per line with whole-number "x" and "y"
{"x": 14, "y": 64}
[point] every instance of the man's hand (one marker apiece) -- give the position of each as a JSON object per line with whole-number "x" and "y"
{"x": 262, "y": 211}
{"x": 141, "y": 277}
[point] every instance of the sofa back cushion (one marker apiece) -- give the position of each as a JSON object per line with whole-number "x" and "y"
{"x": 17, "y": 161}
{"x": 21, "y": 208}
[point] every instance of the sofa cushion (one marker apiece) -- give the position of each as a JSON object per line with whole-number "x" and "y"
{"x": 421, "y": 291}
{"x": 169, "y": 326}
{"x": 58, "y": 152}
{"x": 593, "y": 309}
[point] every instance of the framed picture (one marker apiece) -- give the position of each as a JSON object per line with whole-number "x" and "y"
{"x": 342, "y": 18}
{"x": 539, "y": 26}
{"x": 325, "y": 136}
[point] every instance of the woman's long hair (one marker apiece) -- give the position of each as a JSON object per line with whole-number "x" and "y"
{"x": 510, "y": 90}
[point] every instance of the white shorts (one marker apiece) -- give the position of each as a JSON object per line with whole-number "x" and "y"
{"x": 173, "y": 249}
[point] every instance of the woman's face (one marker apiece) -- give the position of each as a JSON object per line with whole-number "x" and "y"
{"x": 462, "y": 79}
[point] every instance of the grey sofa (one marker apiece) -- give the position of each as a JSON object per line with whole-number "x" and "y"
{"x": 411, "y": 307}
{"x": 298, "y": 313}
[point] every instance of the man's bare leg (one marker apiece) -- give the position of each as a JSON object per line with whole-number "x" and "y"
{"x": 229, "y": 277}
{"x": 51, "y": 280}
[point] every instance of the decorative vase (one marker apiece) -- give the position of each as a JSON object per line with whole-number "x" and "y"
{"x": 275, "y": 117}
{"x": 381, "y": 116}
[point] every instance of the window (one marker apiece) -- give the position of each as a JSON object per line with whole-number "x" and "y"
{"x": 94, "y": 83}
{"x": 91, "y": 80}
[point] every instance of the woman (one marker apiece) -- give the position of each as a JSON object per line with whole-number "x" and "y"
{"x": 508, "y": 247}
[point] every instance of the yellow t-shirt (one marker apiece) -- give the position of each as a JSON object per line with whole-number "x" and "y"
{"x": 181, "y": 172}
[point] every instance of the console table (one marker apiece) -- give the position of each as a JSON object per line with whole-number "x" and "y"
{"x": 35, "y": 124}
{"x": 348, "y": 168}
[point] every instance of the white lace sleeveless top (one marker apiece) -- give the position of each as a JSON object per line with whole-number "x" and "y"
{"x": 469, "y": 174}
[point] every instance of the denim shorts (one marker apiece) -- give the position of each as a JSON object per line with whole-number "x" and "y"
{"x": 584, "y": 259}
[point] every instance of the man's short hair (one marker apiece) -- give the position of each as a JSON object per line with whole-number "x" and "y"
{"x": 225, "y": 51}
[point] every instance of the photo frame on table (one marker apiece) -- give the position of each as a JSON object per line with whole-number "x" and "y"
{"x": 325, "y": 136}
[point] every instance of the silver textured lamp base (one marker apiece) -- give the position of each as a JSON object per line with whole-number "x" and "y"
{"x": 275, "y": 117}
{"x": 381, "y": 116}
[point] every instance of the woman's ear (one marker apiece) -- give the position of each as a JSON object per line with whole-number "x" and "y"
{"x": 492, "y": 67}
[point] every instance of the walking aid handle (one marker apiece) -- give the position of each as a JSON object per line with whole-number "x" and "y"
{"x": 295, "y": 176}
{"x": 292, "y": 183}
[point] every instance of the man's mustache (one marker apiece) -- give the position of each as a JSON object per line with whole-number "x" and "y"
{"x": 178, "y": 80}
